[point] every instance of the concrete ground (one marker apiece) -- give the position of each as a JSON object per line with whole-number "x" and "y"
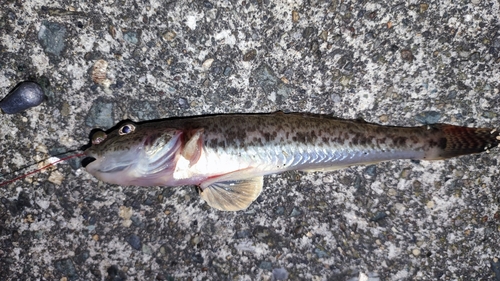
{"x": 394, "y": 63}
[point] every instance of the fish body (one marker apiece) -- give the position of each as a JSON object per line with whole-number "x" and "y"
{"x": 228, "y": 155}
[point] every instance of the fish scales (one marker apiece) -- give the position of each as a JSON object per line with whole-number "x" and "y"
{"x": 227, "y": 155}
{"x": 299, "y": 140}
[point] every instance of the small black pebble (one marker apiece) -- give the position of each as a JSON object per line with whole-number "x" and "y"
{"x": 371, "y": 171}
{"x": 134, "y": 241}
{"x": 378, "y": 216}
{"x": 428, "y": 117}
{"x": 24, "y": 96}
{"x": 208, "y": 5}
{"x": 183, "y": 103}
{"x": 115, "y": 274}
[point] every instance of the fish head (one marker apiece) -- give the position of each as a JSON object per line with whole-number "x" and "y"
{"x": 132, "y": 154}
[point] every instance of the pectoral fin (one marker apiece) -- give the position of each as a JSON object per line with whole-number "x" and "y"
{"x": 192, "y": 149}
{"x": 232, "y": 195}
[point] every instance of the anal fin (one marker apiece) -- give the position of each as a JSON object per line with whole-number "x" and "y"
{"x": 232, "y": 195}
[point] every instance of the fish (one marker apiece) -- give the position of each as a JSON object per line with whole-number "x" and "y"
{"x": 227, "y": 156}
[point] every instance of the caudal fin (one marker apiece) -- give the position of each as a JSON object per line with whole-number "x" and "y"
{"x": 454, "y": 141}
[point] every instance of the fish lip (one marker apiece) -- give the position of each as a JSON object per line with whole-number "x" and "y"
{"x": 87, "y": 160}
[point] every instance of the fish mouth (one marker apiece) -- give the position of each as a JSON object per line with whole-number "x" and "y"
{"x": 87, "y": 160}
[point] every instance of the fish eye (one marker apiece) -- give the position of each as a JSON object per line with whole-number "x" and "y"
{"x": 98, "y": 137}
{"x": 126, "y": 129}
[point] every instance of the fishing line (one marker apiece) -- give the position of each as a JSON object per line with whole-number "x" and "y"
{"x": 44, "y": 167}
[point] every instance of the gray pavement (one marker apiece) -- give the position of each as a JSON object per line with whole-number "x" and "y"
{"x": 390, "y": 62}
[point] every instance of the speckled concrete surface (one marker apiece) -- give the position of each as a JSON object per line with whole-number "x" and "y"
{"x": 393, "y": 63}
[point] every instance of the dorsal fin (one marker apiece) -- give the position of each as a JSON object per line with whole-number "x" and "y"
{"x": 232, "y": 195}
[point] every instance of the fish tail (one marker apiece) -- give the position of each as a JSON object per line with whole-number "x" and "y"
{"x": 451, "y": 141}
